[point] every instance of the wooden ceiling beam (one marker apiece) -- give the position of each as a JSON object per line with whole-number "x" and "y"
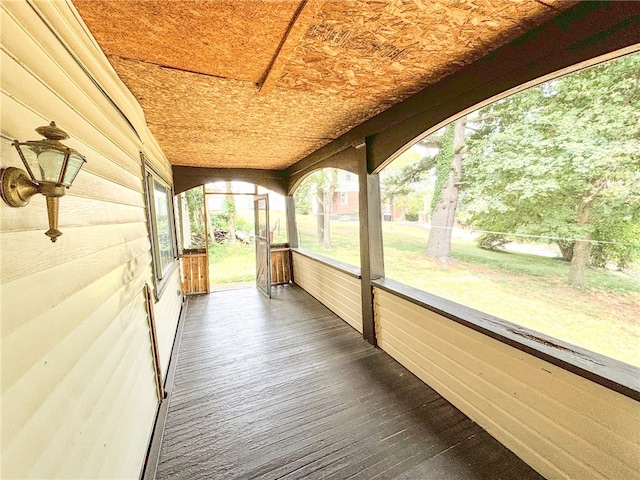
{"x": 300, "y": 23}
{"x": 185, "y": 178}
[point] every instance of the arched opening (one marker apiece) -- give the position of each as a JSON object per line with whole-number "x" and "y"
{"x": 217, "y": 231}
{"x": 327, "y": 214}
{"x": 528, "y": 209}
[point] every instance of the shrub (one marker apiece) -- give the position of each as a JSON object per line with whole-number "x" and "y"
{"x": 492, "y": 241}
{"x": 411, "y": 216}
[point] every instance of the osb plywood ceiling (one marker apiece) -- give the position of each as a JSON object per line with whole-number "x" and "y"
{"x": 261, "y": 84}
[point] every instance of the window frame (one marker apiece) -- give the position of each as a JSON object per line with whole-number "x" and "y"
{"x": 151, "y": 177}
{"x": 606, "y": 371}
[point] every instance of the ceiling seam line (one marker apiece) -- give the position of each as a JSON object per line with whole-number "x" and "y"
{"x": 169, "y": 67}
{"x": 541, "y": 2}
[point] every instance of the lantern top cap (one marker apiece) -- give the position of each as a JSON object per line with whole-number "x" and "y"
{"x": 52, "y": 132}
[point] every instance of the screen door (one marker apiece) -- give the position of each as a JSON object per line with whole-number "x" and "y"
{"x": 263, "y": 244}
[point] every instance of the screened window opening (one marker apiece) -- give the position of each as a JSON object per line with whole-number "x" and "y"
{"x": 166, "y": 249}
{"x": 529, "y": 209}
{"x": 161, "y": 226}
{"x": 327, "y": 206}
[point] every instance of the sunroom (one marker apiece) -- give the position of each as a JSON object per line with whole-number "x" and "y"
{"x": 118, "y": 362}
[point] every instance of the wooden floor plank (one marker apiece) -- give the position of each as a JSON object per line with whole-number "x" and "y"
{"x": 283, "y": 388}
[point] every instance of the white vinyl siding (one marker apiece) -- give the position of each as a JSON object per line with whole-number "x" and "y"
{"x": 78, "y": 396}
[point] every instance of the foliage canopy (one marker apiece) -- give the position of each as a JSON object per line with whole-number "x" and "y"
{"x": 539, "y": 159}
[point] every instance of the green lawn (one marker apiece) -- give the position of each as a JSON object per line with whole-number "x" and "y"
{"x": 236, "y": 263}
{"x": 345, "y": 239}
{"x": 231, "y": 263}
{"x": 527, "y": 289}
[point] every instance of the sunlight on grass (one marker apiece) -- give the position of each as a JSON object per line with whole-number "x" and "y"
{"x": 526, "y": 289}
{"x": 345, "y": 239}
{"x": 231, "y": 263}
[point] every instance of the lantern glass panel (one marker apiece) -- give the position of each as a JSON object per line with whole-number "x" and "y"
{"x": 30, "y": 158}
{"x": 73, "y": 167}
{"x": 51, "y": 163}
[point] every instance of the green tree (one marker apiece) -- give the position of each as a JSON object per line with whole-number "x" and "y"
{"x": 302, "y": 198}
{"x": 230, "y": 213}
{"x": 445, "y": 197}
{"x": 195, "y": 203}
{"x": 403, "y": 182}
{"x": 411, "y": 204}
{"x": 321, "y": 185}
{"x": 561, "y": 160}
{"x": 326, "y": 182}
{"x": 447, "y": 165}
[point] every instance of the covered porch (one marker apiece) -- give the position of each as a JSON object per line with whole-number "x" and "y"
{"x": 284, "y": 388}
{"x": 163, "y": 97}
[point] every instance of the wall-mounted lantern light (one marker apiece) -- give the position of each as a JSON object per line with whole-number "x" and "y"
{"x": 51, "y": 167}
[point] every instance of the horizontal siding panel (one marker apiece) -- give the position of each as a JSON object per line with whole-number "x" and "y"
{"x": 97, "y": 163}
{"x": 108, "y": 162}
{"x": 124, "y": 459}
{"x": 74, "y": 212}
{"x": 25, "y": 252}
{"x": 334, "y": 283}
{"x": 562, "y": 424}
{"x": 109, "y": 354}
{"x": 78, "y": 382}
{"x": 94, "y": 187}
{"x": 501, "y": 405}
{"x": 333, "y": 279}
{"x": 328, "y": 272}
{"x": 498, "y": 366}
{"x": 341, "y": 288}
{"x": 106, "y": 422}
{"x": 167, "y": 314}
{"x": 343, "y": 303}
{"x": 346, "y": 314}
{"x": 494, "y": 374}
{"x": 516, "y": 444}
{"x": 25, "y": 347}
{"x": 31, "y": 76}
{"x": 83, "y": 137}
{"x": 39, "y": 292}
{"x": 339, "y": 291}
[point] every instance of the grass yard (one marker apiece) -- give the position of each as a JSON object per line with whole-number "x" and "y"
{"x": 236, "y": 263}
{"x": 604, "y": 317}
{"x": 345, "y": 239}
{"x": 231, "y": 263}
{"x": 529, "y": 290}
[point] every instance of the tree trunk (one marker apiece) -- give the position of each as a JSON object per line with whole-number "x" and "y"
{"x": 320, "y": 215}
{"x": 566, "y": 249}
{"x": 230, "y": 204}
{"x": 582, "y": 247}
{"x": 444, "y": 213}
{"x": 328, "y": 206}
{"x": 231, "y": 222}
{"x": 232, "y": 228}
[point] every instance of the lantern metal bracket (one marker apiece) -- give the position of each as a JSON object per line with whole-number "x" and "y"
{"x": 17, "y": 188}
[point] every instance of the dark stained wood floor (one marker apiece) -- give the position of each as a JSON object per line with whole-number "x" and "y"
{"x": 283, "y": 388}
